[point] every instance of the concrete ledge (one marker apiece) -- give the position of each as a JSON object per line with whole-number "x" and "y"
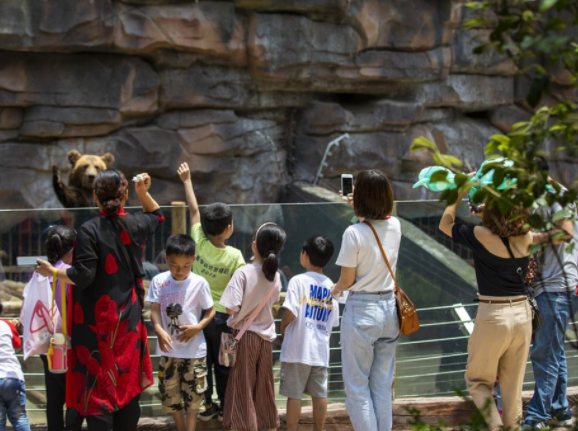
{"x": 453, "y": 411}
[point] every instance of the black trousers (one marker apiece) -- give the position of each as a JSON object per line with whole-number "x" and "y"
{"x": 213, "y": 333}
{"x": 55, "y": 401}
{"x": 125, "y": 419}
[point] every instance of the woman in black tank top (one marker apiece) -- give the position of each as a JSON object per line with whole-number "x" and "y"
{"x": 500, "y": 342}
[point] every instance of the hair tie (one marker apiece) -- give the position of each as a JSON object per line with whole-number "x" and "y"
{"x": 271, "y": 252}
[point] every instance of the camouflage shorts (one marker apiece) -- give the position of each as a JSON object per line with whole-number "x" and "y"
{"x": 182, "y": 383}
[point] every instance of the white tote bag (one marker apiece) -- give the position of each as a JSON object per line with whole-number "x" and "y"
{"x": 36, "y": 318}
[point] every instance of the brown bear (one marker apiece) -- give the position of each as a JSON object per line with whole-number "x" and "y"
{"x": 85, "y": 168}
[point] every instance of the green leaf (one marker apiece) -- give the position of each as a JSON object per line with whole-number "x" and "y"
{"x": 547, "y": 4}
{"x": 535, "y": 221}
{"x": 439, "y": 177}
{"x": 422, "y": 143}
{"x": 539, "y": 84}
{"x": 519, "y": 125}
{"x": 528, "y": 15}
{"x": 461, "y": 179}
{"x": 499, "y": 175}
{"x": 449, "y": 160}
{"x": 555, "y": 24}
{"x": 450, "y": 196}
{"x": 491, "y": 147}
{"x": 561, "y": 215}
{"x": 502, "y": 139}
{"x": 480, "y": 196}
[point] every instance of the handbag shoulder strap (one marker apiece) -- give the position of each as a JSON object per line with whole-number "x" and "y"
{"x": 519, "y": 271}
{"x": 397, "y": 289}
{"x": 255, "y": 313}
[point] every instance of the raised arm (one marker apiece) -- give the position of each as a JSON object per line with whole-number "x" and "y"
{"x": 185, "y": 175}
{"x": 142, "y": 190}
{"x": 449, "y": 217}
{"x": 565, "y": 226}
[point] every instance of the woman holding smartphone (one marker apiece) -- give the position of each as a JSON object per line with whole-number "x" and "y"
{"x": 500, "y": 342}
{"x": 370, "y": 327}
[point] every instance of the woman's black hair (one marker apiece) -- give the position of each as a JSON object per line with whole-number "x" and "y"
{"x": 60, "y": 241}
{"x": 110, "y": 187}
{"x": 269, "y": 240}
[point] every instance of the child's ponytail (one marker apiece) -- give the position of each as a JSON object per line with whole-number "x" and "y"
{"x": 59, "y": 242}
{"x": 270, "y": 239}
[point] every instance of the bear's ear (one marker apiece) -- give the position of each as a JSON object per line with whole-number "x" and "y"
{"x": 108, "y": 159}
{"x": 73, "y": 157}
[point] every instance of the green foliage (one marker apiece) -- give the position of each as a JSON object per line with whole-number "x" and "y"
{"x": 537, "y": 36}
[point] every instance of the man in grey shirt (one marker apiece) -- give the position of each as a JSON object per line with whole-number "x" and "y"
{"x": 555, "y": 290}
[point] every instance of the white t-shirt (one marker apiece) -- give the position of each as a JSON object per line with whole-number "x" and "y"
{"x": 316, "y": 313}
{"x": 194, "y": 296}
{"x": 9, "y": 342}
{"x": 360, "y": 250}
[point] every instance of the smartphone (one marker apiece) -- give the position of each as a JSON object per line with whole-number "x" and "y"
{"x": 28, "y": 260}
{"x": 346, "y": 184}
{"x": 475, "y": 208}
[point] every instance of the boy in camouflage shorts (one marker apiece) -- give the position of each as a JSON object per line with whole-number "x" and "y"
{"x": 179, "y": 299}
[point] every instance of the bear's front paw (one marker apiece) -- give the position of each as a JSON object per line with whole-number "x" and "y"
{"x": 56, "y": 173}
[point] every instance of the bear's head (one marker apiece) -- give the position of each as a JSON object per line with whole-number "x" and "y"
{"x": 85, "y": 168}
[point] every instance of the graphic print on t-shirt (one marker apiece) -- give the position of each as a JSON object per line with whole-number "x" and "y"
{"x": 194, "y": 296}
{"x": 318, "y": 307}
{"x": 316, "y": 313}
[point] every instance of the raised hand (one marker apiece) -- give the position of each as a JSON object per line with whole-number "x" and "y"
{"x": 144, "y": 184}
{"x": 184, "y": 172}
{"x": 348, "y": 199}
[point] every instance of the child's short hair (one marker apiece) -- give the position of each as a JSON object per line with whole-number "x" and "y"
{"x": 216, "y": 217}
{"x": 319, "y": 249}
{"x": 180, "y": 245}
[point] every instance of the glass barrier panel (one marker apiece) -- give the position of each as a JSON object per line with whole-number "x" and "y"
{"x": 436, "y": 274}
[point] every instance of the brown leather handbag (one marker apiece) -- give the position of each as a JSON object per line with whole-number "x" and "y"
{"x": 406, "y": 311}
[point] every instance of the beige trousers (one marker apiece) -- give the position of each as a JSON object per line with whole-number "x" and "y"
{"x": 499, "y": 346}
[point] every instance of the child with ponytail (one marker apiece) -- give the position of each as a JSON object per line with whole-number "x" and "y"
{"x": 250, "y": 400}
{"x": 59, "y": 244}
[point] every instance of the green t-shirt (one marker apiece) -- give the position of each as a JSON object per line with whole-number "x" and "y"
{"x": 216, "y": 265}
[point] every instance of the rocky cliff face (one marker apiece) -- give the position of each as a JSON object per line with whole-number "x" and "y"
{"x": 249, "y": 92}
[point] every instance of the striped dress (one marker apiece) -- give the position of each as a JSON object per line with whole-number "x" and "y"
{"x": 250, "y": 400}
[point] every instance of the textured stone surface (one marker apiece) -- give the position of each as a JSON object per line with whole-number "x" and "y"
{"x": 249, "y": 92}
{"x": 401, "y": 25}
{"x": 488, "y": 63}
{"x": 127, "y": 84}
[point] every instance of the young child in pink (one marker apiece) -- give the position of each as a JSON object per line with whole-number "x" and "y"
{"x": 250, "y": 401}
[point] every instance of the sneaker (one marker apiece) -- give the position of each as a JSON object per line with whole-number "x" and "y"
{"x": 561, "y": 419}
{"x": 533, "y": 425}
{"x": 220, "y": 417}
{"x": 209, "y": 413}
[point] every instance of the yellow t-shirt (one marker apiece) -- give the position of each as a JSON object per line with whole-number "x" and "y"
{"x": 216, "y": 265}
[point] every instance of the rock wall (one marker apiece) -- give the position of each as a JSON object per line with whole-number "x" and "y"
{"x": 249, "y": 92}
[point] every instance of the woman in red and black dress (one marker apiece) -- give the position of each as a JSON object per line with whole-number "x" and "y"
{"x": 109, "y": 360}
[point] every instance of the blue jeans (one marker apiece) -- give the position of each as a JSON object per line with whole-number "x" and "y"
{"x": 369, "y": 333}
{"x": 12, "y": 404}
{"x": 549, "y": 357}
